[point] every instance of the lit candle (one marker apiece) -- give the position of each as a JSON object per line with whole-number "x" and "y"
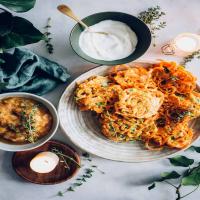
{"x": 44, "y": 162}
{"x": 184, "y": 44}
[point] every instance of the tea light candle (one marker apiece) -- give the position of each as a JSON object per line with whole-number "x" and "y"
{"x": 44, "y": 162}
{"x": 187, "y": 42}
{"x": 183, "y": 44}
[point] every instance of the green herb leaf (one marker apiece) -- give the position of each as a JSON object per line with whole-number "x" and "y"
{"x": 83, "y": 179}
{"x": 65, "y": 158}
{"x": 195, "y": 148}
{"x": 48, "y": 39}
{"x": 71, "y": 189}
{"x": 18, "y": 5}
{"x": 88, "y": 171}
{"x": 174, "y": 78}
{"x": 152, "y": 186}
{"x": 99, "y": 104}
{"x": 181, "y": 161}
{"x": 169, "y": 175}
{"x": 189, "y": 58}
{"x": 2, "y": 86}
{"x": 193, "y": 178}
{"x": 86, "y": 155}
{"x": 151, "y": 17}
{"x": 2, "y": 61}
{"x": 87, "y": 175}
{"x": 77, "y": 184}
{"x": 6, "y": 22}
{"x": 28, "y": 122}
{"x": 22, "y": 33}
{"x": 60, "y": 194}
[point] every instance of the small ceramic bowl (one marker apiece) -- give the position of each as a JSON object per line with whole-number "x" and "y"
{"x": 140, "y": 28}
{"x": 22, "y": 147}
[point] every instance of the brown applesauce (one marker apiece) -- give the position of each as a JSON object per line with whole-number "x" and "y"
{"x": 23, "y": 120}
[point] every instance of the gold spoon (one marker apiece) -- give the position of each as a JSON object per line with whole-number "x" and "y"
{"x": 66, "y": 10}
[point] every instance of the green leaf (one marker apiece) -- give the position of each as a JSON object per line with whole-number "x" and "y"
{"x": 77, "y": 184}
{"x": 195, "y": 148}
{"x": 152, "y": 186}
{"x": 18, "y": 5}
{"x": 181, "y": 161}
{"x": 71, "y": 189}
{"x": 6, "y": 22}
{"x": 83, "y": 179}
{"x": 3, "y": 85}
{"x": 60, "y": 194}
{"x": 22, "y": 33}
{"x": 2, "y": 61}
{"x": 169, "y": 175}
{"x": 193, "y": 178}
{"x": 88, "y": 171}
{"x": 86, "y": 155}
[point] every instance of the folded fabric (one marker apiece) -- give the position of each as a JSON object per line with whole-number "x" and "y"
{"x": 24, "y": 71}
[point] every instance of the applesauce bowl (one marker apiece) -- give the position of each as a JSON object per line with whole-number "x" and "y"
{"x": 11, "y": 146}
{"x": 140, "y": 28}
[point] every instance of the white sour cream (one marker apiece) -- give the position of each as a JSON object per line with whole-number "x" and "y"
{"x": 120, "y": 42}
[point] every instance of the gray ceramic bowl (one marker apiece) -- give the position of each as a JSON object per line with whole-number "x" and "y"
{"x": 141, "y": 29}
{"x": 49, "y": 106}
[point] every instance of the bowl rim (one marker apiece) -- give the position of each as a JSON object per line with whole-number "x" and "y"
{"x": 109, "y": 63}
{"x": 42, "y": 140}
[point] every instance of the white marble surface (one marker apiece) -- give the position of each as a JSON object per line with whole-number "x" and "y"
{"x": 122, "y": 181}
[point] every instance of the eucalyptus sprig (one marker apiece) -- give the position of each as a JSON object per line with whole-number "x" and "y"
{"x": 84, "y": 177}
{"x": 189, "y": 58}
{"x": 48, "y": 39}
{"x": 152, "y": 17}
{"x": 190, "y": 176}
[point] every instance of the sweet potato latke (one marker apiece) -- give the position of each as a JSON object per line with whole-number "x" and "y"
{"x": 152, "y": 104}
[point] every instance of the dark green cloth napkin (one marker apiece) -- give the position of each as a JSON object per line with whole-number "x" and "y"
{"x": 24, "y": 71}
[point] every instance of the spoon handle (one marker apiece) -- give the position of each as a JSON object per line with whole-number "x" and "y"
{"x": 66, "y": 10}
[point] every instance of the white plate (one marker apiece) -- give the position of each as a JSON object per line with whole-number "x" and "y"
{"x": 83, "y": 129}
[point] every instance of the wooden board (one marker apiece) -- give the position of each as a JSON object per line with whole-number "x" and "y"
{"x": 21, "y": 162}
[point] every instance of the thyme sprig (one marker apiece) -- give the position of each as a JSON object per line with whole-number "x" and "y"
{"x": 86, "y": 156}
{"x": 28, "y": 122}
{"x": 84, "y": 177}
{"x": 95, "y": 166}
{"x": 88, "y": 173}
{"x": 189, "y": 58}
{"x": 151, "y": 17}
{"x": 48, "y": 39}
{"x": 64, "y": 158}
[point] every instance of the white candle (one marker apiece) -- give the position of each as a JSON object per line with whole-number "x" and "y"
{"x": 44, "y": 162}
{"x": 186, "y": 43}
{"x": 182, "y": 45}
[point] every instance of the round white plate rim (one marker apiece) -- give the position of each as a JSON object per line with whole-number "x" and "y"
{"x": 64, "y": 129}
